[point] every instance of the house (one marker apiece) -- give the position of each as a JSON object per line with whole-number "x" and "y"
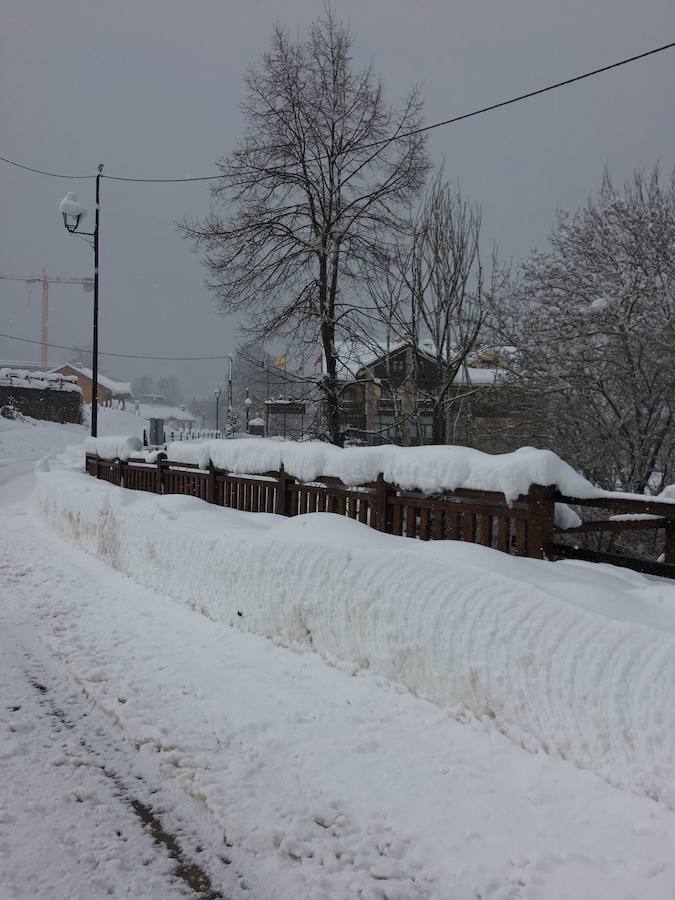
{"x": 110, "y": 393}
{"x": 387, "y": 396}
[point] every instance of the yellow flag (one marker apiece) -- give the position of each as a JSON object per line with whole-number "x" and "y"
{"x": 281, "y": 361}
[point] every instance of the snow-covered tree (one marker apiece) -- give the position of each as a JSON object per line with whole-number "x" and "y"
{"x": 593, "y": 320}
{"x": 324, "y": 170}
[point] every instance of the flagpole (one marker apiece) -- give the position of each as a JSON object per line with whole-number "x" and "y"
{"x": 285, "y": 385}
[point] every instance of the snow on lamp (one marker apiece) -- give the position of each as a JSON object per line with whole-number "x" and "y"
{"x": 72, "y": 211}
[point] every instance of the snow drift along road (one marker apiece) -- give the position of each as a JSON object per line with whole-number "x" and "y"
{"x": 532, "y": 645}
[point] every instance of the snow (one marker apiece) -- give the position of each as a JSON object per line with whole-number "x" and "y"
{"x": 429, "y": 469}
{"x": 575, "y": 660}
{"x": 53, "y": 782}
{"x": 29, "y": 439}
{"x": 71, "y": 206}
{"x": 113, "y": 447}
{"x": 41, "y": 381}
{"x": 284, "y": 777}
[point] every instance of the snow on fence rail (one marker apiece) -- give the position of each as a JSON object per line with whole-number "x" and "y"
{"x": 511, "y": 513}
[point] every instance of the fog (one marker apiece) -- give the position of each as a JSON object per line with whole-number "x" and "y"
{"x": 152, "y": 89}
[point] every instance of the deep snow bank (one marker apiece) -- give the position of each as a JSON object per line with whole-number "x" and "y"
{"x": 469, "y": 628}
{"x": 113, "y": 446}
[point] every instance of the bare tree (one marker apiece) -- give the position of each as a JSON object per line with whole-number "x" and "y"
{"x": 324, "y": 170}
{"x": 432, "y": 294}
{"x": 593, "y": 320}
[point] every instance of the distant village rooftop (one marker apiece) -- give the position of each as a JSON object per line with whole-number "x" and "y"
{"x": 118, "y": 389}
{"x": 38, "y": 380}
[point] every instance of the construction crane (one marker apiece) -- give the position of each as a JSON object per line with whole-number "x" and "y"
{"x": 87, "y": 285}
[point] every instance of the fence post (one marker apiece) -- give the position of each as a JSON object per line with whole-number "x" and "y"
{"x": 669, "y": 541}
{"x": 211, "y": 484}
{"x": 159, "y": 482}
{"x": 117, "y": 463}
{"x": 540, "y": 522}
{"x": 281, "y": 492}
{"x": 381, "y": 488}
{"x": 283, "y": 502}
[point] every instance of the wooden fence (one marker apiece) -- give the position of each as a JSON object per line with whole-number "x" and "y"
{"x": 525, "y": 527}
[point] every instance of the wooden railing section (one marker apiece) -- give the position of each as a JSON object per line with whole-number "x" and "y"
{"x": 525, "y": 527}
{"x": 661, "y": 518}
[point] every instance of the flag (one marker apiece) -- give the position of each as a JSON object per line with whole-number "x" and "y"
{"x": 281, "y": 361}
{"x": 318, "y": 360}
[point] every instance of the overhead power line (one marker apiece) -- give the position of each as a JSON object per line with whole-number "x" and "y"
{"x": 425, "y": 128}
{"x": 535, "y": 93}
{"x": 13, "y": 337}
{"x": 42, "y": 171}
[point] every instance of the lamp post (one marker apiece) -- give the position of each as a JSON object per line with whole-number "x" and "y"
{"x": 229, "y": 395}
{"x": 216, "y": 394}
{"x": 73, "y": 213}
{"x": 247, "y": 404}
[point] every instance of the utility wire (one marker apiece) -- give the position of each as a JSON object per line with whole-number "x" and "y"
{"x": 41, "y": 171}
{"x": 13, "y": 337}
{"x": 535, "y": 93}
{"x": 383, "y": 141}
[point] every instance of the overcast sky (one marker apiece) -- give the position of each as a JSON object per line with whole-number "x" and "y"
{"x": 152, "y": 87}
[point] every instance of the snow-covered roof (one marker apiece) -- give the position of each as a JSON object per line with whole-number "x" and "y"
{"x": 354, "y": 356}
{"x": 38, "y": 380}
{"x": 162, "y": 411}
{"x": 117, "y": 388}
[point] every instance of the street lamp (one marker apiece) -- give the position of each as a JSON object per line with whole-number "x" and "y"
{"x": 73, "y": 214}
{"x": 247, "y": 404}
{"x": 72, "y": 211}
{"x": 229, "y": 395}
{"x": 216, "y": 394}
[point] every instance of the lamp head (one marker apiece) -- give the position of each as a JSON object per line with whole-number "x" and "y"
{"x": 72, "y": 211}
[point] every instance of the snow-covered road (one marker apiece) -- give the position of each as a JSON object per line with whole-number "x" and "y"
{"x": 277, "y": 775}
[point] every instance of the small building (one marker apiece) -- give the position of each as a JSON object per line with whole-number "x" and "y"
{"x": 176, "y": 418}
{"x": 257, "y": 427}
{"x": 110, "y": 393}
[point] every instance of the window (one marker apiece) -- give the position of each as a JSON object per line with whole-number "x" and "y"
{"x": 386, "y": 430}
{"x": 397, "y": 367}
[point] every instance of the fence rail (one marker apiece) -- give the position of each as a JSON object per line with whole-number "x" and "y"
{"x": 525, "y": 527}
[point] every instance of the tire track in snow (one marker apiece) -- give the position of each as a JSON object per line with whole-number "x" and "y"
{"x": 186, "y": 869}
